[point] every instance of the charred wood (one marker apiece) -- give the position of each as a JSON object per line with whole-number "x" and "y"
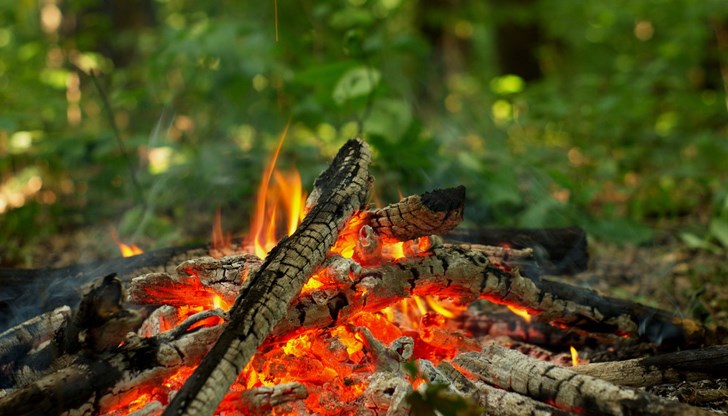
{"x": 467, "y": 276}
{"x": 96, "y": 381}
{"x": 497, "y": 402}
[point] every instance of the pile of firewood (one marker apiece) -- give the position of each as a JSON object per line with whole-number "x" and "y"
{"x": 88, "y": 360}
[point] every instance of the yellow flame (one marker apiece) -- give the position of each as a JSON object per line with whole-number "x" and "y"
{"x": 127, "y": 250}
{"x": 283, "y": 200}
{"x": 520, "y": 312}
{"x": 438, "y": 307}
{"x": 574, "y": 356}
{"x": 220, "y": 239}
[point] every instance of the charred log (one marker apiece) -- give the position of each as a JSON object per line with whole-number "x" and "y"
{"x": 468, "y": 275}
{"x": 498, "y": 402}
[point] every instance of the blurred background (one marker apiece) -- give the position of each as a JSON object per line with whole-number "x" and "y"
{"x": 145, "y": 116}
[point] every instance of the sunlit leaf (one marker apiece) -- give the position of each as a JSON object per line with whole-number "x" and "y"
{"x": 354, "y": 83}
{"x": 719, "y": 230}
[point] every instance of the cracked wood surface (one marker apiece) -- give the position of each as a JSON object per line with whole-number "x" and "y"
{"x": 511, "y": 370}
{"x": 94, "y": 382}
{"x": 498, "y": 402}
{"x": 340, "y": 191}
{"x": 435, "y": 212}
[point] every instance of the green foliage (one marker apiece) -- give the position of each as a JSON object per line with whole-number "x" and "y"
{"x": 624, "y": 128}
{"x": 436, "y": 399}
{"x": 716, "y": 237}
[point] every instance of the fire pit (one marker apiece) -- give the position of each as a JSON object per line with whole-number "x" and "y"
{"x": 358, "y": 311}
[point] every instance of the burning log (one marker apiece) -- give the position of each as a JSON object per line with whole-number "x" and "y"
{"x": 339, "y": 190}
{"x": 690, "y": 365}
{"x": 464, "y": 275}
{"x": 97, "y": 381}
{"x": 92, "y": 362}
{"x": 512, "y": 370}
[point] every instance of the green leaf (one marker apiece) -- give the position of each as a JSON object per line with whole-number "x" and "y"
{"x": 356, "y": 82}
{"x": 696, "y": 243}
{"x": 719, "y": 230}
{"x": 389, "y": 118}
{"x": 620, "y": 230}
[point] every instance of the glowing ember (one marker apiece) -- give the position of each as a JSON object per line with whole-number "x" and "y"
{"x": 520, "y": 312}
{"x": 574, "y": 356}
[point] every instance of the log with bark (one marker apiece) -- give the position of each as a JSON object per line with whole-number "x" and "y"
{"x": 675, "y": 367}
{"x": 511, "y": 370}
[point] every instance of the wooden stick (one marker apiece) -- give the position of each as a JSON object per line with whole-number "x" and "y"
{"x": 340, "y": 190}
{"x": 511, "y": 370}
{"x": 690, "y": 365}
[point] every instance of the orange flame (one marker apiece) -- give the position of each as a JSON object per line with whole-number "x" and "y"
{"x": 520, "y": 312}
{"x": 127, "y": 250}
{"x": 220, "y": 239}
{"x": 574, "y": 356}
{"x": 287, "y": 189}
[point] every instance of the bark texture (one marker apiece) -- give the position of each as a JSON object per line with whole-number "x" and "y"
{"x": 690, "y": 365}
{"x": 435, "y": 212}
{"x": 340, "y": 190}
{"x": 511, "y": 370}
{"x": 497, "y": 402}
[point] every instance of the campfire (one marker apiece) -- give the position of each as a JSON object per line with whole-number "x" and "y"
{"x": 358, "y": 310}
